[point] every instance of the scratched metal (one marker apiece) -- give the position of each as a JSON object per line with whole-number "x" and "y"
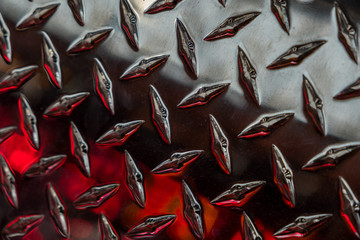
{"x": 330, "y": 68}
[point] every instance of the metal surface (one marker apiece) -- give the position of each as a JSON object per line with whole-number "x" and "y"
{"x": 125, "y": 43}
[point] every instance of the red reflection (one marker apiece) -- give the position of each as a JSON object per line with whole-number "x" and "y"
{"x": 25, "y": 124}
{"x": 23, "y": 224}
{"x": 51, "y": 75}
{"x": 349, "y": 224}
{"x": 258, "y": 134}
{"x": 218, "y": 153}
{"x": 5, "y": 55}
{"x": 108, "y": 166}
{"x": 266, "y": 233}
{"x": 74, "y": 186}
{"x": 237, "y": 236}
{"x": 166, "y": 194}
{"x": 166, "y": 6}
{"x": 34, "y": 234}
{"x": 103, "y": 97}
{"x": 19, "y": 153}
{"x": 166, "y": 198}
{"x": 238, "y": 202}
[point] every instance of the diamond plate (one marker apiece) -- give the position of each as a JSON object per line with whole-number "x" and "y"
{"x": 161, "y": 43}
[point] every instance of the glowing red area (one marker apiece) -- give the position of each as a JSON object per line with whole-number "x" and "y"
{"x": 166, "y": 198}
{"x": 108, "y": 167}
{"x": 19, "y": 153}
{"x": 72, "y": 187}
{"x": 166, "y": 195}
{"x": 237, "y": 236}
{"x": 266, "y": 233}
{"x": 34, "y": 234}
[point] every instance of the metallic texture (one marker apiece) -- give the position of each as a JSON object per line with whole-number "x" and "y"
{"x": 151, "y": 226}
{"x": 58, "y": 211}
{"x": 135, "y": 180}
{"x": 258, "y": 91}
{"x": 203, "y": 95}
{"x": 162, "y": 5}
{"x": 8, "y": 183}
{"x": 249, "y": 229}
{"x": 16, "y": 78}
{"x": 77, "y": 8}
{"x": 144, "y": 67}
{"x": 331, "y": 156}
{"x": 302, "y": 226}
{"x": 6, "y": 132}
{"x": 51, "y": 62}
{"x": 280, "y": 8}
{"x": 347, "y": 32}
{"x": 265, "y": 125}
{"x": 349, "y": 207}
{"x": 238, "y": 194}
{"x": 28, "y": 122}
{"x": 37, "y": 17}
{"x": 129, "y": 23}
{"x": 193, "y": 212}
{"x": 5, "y": 46}
{"x": 220, "y": 145}
{"x": 283, "y": 176}
{"x": 88, "y": 41}
{"x": 95, "y": 196}
{"x": 45, "y": 166}
{"x": 80, "y": 149}
{"x": 107, "y": 230}
{"x": 186, "y": 48}
{"x": 248, "y": 76}
{"x": 21, "y": 226}
{"x": 231, "y": 26}
{"x": 103, "y": 86}
{"x": 351, "y": 91}
{"x": 65, "y": 104}
{"x": 119, "y": 133}
{"x": 160, "y": 115}
{"x": 314, "y": 106}
{"x": 177, "y": 162}
{"x": 296, "y": 54}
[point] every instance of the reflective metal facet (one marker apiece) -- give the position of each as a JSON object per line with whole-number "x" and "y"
{"x": 21, "y": 226}
{"x": 8, "y": 182}
{"x": 29, "y": 122}
{"x": 16, "y": 78}
{"x": 5, "y": 46}
{"x": 58, "y": 211}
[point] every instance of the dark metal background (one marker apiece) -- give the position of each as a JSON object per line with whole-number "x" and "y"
{"x": 329, "y": 68}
